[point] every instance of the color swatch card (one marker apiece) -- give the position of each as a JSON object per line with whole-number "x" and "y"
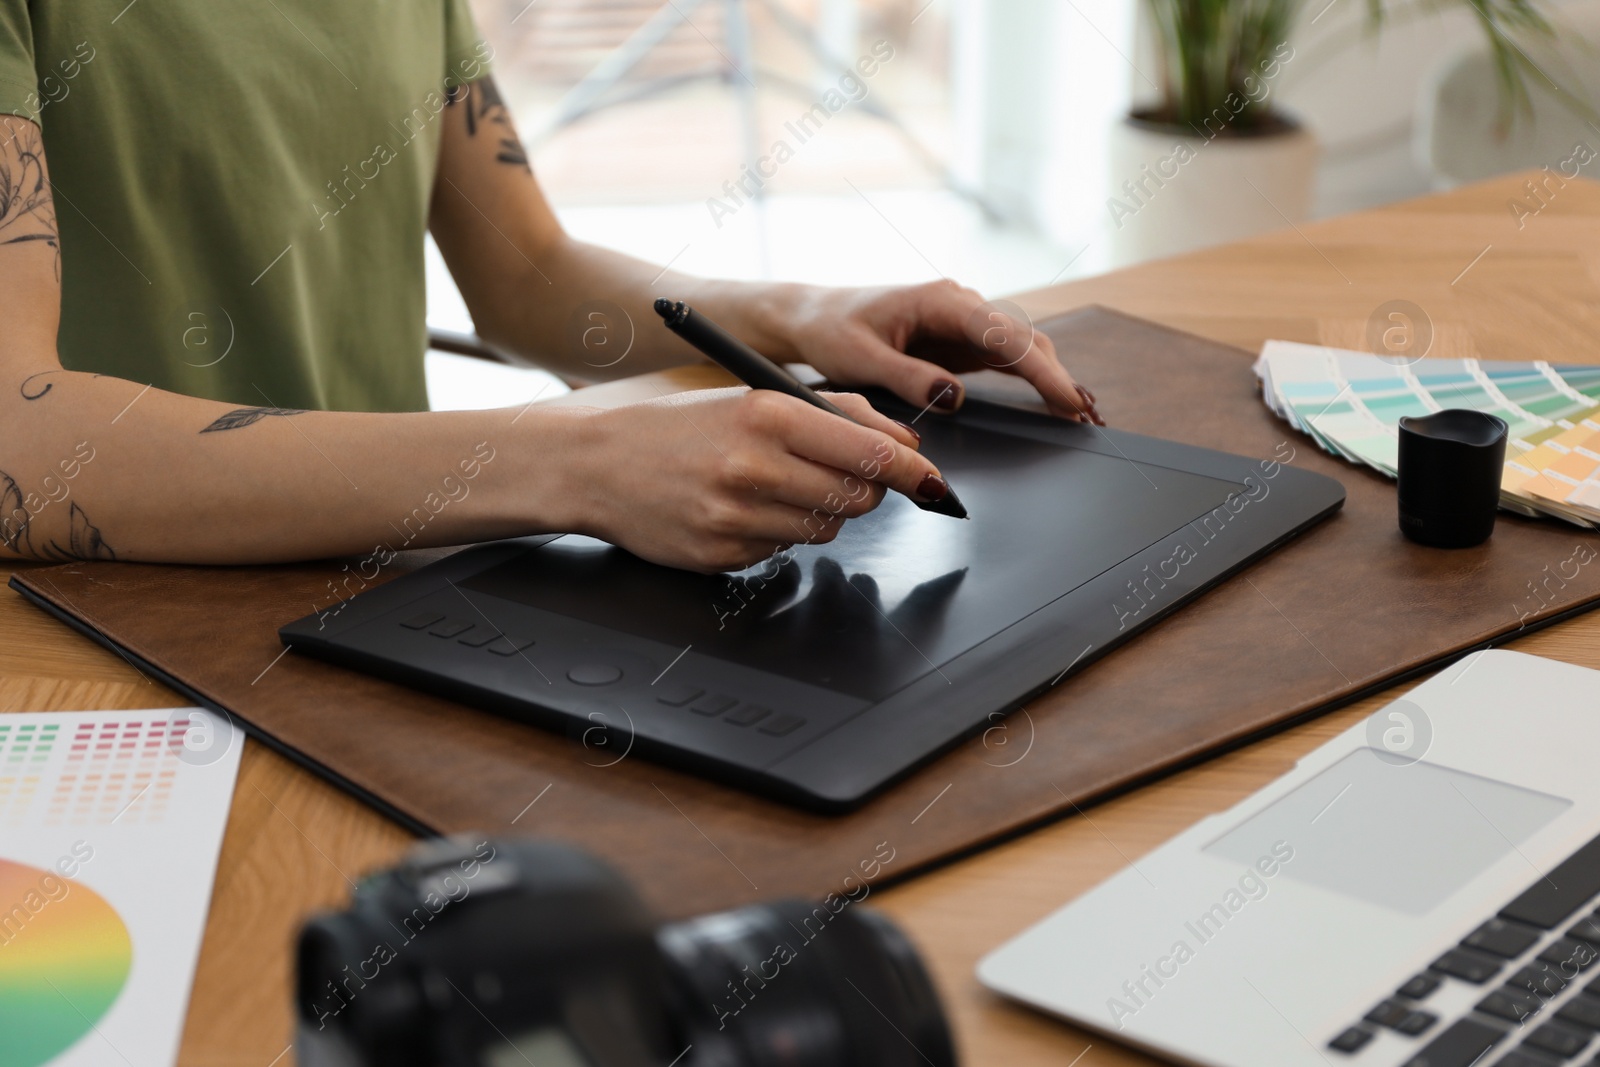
{"x": 110, "y": 826}
{"x": 1351, "y": 403}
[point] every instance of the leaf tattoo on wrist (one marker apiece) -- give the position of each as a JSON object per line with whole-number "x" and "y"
{"x": 13, "y": 515}
{"x": 242, "y": 417}
{"x": 84, "y": 540}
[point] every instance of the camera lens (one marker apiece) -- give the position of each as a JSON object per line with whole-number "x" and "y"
{"x": 796, "y": 984}
{"x": 510, "y": 952}
{"x": 342, "y": 1006}
{"x": 468, "y": 953}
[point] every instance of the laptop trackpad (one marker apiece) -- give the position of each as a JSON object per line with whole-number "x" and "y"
{"x": 1401, "y": 836}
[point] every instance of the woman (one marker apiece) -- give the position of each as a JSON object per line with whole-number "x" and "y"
{"x": 211, "y": 275}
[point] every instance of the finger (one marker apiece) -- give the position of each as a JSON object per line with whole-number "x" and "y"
{"x": 845, "y": 446}
{"x": 1042, "y": 369}
{"x": 730, "y": 554}
{"x": 953, "y": 324}
{"x": 743, "y": 535}
{"x": 947, "y": 314}
{"x": 918, "y": 382}
{"x": 859, "y": 408}
{"x": 808, "y": 485}
{"x": 777, "y": 525}
{"x": 950, "y": 312}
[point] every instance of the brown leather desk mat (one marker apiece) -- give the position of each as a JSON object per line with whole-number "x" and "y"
{"x": 1340, "y": 611}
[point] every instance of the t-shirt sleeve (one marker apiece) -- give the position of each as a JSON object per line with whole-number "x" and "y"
{"x": 466, "y": 53}
{"x": 19, "y": 83}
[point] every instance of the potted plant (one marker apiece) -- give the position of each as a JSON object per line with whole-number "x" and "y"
{"x": 1214, "y": 158}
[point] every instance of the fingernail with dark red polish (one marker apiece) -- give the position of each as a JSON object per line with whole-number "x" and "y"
{"x": 933, "y": 487}
{"x": 908, "y": 428}
{"x": 1088, "y": 396}
{"x": 946, "y": 396}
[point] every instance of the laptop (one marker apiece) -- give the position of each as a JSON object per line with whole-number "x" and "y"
{"x": 830, "y": 671}
{"x": 1419, "y": 891}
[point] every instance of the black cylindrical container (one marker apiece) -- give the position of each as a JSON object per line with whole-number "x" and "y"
{"x": 1450, "y": 467}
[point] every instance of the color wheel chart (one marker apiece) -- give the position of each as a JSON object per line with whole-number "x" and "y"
{"x": 60, "y": 969}
{"x": 110, "y": 826}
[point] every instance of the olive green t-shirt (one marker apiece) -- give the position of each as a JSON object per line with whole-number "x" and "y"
{"x": 242, "y": 186}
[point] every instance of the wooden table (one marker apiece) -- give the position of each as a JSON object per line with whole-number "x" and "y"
{"x": 1492, "y": 290}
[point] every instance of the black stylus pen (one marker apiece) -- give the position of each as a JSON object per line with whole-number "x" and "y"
{"x": 759, "y": 372}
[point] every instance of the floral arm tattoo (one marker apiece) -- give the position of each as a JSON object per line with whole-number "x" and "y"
{"x": 27, "y": 211}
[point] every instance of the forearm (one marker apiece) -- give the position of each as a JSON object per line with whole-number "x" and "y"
{"x": 562, "y": 314}
{"x": 97, "y": 467}
{"x": 542, "y": 297}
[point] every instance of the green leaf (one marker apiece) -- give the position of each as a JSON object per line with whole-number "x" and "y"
{"x": 1217, "y": 53}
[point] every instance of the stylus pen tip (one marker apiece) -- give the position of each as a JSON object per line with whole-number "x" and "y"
{"x": 949, "y": 504}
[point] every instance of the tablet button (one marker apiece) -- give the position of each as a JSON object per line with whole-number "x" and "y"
{"x": 423, "y": 621}
{"x": 712, "y": 705}
{"x": 510, "y": 646}
{"x": 450, "y": 628}
{"x": 594, "y": 674}
{"x": 676, "y": 696}
{"x": 782, "y": 725}
{"x": 750, "y": 713}
{"x": 480, "y": 637}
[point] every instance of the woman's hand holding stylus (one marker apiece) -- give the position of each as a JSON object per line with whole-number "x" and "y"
{"x": 720, "y": 479}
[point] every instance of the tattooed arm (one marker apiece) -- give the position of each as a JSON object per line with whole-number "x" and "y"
{"x": 95, "y": 467}
{"x": 535, "y": 293}
{"x": 27, "y": 212}
{"x": 541, "y": 296}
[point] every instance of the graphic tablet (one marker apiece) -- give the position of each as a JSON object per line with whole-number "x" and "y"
{"x": 824, "y": 674}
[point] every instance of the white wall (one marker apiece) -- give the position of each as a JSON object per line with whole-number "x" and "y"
{"x": 1038, "y": 82}
{"x": 1361, "y": 94}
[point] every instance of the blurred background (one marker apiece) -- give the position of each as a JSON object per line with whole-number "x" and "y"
{"x": 988, "y": 140}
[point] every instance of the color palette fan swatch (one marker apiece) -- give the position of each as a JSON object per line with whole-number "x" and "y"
{"x": 110, "y": 827}
{"x": 1351, "y": 404}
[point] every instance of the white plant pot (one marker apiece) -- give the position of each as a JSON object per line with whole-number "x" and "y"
{"x": 1172, "y": 192}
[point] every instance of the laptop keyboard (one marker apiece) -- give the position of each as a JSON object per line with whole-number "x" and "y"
{"x": 1538, "y": 1008}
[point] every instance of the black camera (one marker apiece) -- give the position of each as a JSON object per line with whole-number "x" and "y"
{"x": 509, "y": 953}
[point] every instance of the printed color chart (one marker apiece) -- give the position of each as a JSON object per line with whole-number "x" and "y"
{"x": 110, "y": 825}
{"x": 1351, "y": 404}
{"x": 60, "y": 968}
